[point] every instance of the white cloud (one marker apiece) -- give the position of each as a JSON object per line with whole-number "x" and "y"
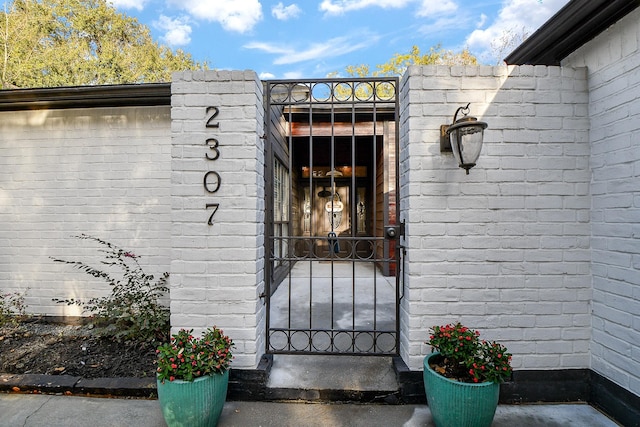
{"x": 282, "y": 12}
{"x": 427, "y": 8}
{"x": 266, "y": 76}
{"x": 514, "y": 15}
{"x": 482, "y": 21}
{"x": 315, "y": 51}
{"x": 233, "y": 15}
{"x": 341, "y": 6}
{"x": 177, "y": 31}
{"x": 440, "y": 25}
{"x": 267, "y": 47}
{"x": 129, "y": 4}
{"x": 294, "y": 75}
{"x": 432, "y": 8}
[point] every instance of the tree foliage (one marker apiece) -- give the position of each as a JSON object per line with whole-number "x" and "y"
{"x": 399, "y": 62}
{"x": 49, "y": 43}
{"x": 510, "y": 39}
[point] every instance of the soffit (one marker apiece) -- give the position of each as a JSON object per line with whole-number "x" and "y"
{"x": 574, "y": 25}
{"x": 133, "y": 95}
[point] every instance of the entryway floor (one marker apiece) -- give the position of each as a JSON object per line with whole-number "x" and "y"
{"x": 336, "y": 295}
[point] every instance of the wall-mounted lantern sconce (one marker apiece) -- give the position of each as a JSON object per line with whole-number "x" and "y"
{"x": 464, "y": 138}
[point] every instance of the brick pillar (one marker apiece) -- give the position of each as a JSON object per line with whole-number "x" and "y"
{"x": 504, "y": 249}
{"x": 217, "y": 207}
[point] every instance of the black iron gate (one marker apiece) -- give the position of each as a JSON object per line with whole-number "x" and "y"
{"x": 333, "y": 262}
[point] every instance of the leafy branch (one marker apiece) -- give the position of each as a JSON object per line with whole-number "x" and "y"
{"x": 132, "y": 312}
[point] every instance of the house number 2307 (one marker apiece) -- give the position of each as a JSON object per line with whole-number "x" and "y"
{"x": 212, "y": 180}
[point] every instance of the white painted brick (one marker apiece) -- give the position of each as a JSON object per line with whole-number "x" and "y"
{"x": 83, "y": 175}
{"x": 229, "y": 264}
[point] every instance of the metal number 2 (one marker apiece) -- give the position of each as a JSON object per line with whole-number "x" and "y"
{"x": 210, "y": 123}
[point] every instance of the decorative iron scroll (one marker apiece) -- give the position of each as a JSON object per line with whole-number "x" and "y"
{"x": 355, "y": 249}
{"x": 318, "y": 91}
{"x": 321, "y": 341}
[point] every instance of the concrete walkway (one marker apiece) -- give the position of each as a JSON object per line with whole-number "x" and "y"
{"x": 72, "y": 411}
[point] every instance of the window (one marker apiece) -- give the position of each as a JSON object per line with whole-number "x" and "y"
{"x": 281, "y": 193}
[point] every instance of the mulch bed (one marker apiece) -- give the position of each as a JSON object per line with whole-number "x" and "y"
{"x": 37, "y": 347}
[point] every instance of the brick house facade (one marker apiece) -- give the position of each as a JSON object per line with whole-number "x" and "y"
{"x": 537, "y": 247}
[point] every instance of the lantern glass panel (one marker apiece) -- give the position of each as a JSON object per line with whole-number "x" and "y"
{"x": 466, "y": 143}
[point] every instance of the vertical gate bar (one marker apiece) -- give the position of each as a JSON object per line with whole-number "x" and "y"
{"x": 311, "y": 222}
{"x": 267, "y": 250}
{"x": 376, "y": 240}
{"x": 353, "y": 262}
{"x": 334, "y": 189}
{"x": 290, "y": 145}
{"x": 399, "y": 266}
{"x": 375, "y": 271}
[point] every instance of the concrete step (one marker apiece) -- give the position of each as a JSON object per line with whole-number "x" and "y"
{"x": 333, "y": 378}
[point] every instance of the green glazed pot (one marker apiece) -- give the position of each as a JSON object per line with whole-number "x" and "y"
{"x": 457, "y": 404}
{"x": 193, "y": 404}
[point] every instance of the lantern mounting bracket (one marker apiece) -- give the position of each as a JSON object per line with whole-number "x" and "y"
{"x": 445, "y": 142}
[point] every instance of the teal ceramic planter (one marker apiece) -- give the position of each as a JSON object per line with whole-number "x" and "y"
{"x": 193, "y": 404}
{"x": 458, "y": 404}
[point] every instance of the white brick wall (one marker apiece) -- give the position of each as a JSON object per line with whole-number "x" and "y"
{"x": 217, "y": 271}
{"x": 505, "y": 249}
{"x": 99, "y": 171}
{"x": 613, "y": 61}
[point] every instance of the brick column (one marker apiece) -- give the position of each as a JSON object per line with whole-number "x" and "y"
{"x": 217, "y": 199}
{"x": 504, "y": 249}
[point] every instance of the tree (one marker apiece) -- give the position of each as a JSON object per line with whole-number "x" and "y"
{"x": 507, "y": 42}
{"x": 49, "y": 43}
{"x": 397, "y": 65}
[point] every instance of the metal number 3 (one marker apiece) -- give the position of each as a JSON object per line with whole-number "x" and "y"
{"x": 212, "y": 143}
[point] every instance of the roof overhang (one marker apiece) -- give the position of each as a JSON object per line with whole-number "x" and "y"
{"x": 574, "y": 25}
{"x": 130, "y": 95}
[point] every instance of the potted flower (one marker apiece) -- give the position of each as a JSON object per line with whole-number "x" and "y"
{"x": 462, "y": 376}
{"x": 192, "y": 377}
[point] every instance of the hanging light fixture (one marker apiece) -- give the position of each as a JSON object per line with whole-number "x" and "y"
{"x": 464, "y": 138}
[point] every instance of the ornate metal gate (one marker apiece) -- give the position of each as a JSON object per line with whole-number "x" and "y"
{"x": 333, "y": 264}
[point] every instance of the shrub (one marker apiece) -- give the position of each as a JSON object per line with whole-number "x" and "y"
{"x": 187, "y": 358}
{"x": 12, "y": 307}
{"x": 132, "y": 312}
{"x": 466, "y": 358}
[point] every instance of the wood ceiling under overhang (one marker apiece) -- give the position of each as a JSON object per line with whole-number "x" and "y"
{"x": 360, "y": 120}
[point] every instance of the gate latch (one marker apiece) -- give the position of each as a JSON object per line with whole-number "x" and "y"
{"x": 391, "y": 231}
{"x": 394, "y": 231}
{"x": 334, "y": 244}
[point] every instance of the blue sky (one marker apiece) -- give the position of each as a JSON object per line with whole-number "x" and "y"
{"x": 312, "y": 38}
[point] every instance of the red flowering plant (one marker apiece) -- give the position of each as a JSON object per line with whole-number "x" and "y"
{"x": 464, "y": 357}
{"x": 186, "y": 357}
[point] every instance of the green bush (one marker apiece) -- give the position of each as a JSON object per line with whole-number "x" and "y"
{"x": 132, "y": 312}
{"x": 12, "y": 307}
